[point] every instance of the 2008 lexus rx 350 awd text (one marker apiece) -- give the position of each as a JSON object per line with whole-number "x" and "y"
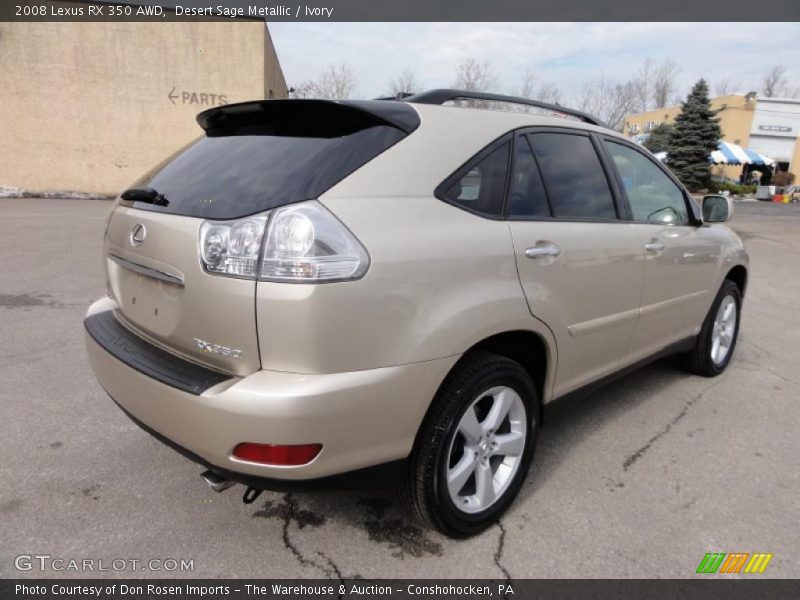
{"x": 346, "y": 293}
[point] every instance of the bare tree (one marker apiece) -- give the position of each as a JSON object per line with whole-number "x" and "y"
{"x": 536, "y": 89}
{"x": 678, "y": 98}
{"x": 642, "y": 83}
{"x": 725, "y": 87}
{"x": 612, "y": 102}
{"x": 774, "y": 81}
{"x": 335, "y": 82}
{"x": 405, "y": 83}
{"x": 654, "y": 85}
{"x": 621, "y": 98}
{"x": 664, "y": 83}
{"x": 474, "y": 76}
{"x": 527, "y": 86}
{"x": 548, "y": 92}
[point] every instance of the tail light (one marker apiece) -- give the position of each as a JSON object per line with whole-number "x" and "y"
{"x": 279, "y": 455}
{"x": 297, "y": 243}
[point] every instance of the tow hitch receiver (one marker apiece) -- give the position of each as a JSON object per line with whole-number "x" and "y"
{"x": 218, "y": 483}
{"x": 250, "y": 495}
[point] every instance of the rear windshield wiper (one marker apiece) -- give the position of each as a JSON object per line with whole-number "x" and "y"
{"x": 144, "y": 194}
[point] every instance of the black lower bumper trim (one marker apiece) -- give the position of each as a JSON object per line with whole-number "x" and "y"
{"x": 148, "y": 359}
{"x": 383, "y": 476}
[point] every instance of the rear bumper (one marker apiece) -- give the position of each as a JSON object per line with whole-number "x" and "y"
{"x": 361, "y": 418}
{"x": 381, "y": 476}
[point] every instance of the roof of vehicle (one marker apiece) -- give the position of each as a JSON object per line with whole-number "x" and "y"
{"x": 446, "y": 138}
{"x": 441, "y": 96}
{"x": 507, "y": 119}
{"x": 479, "y": 110}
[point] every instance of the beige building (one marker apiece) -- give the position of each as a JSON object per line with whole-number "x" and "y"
{"x": 90, "y": 107}
{"x": 768, "y": 126}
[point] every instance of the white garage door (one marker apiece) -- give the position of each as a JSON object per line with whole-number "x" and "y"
{"x": 779, "y": 148}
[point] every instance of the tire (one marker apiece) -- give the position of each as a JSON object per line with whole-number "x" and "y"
{"x": 479, "y": 383}
{"x": 701, "y": 360}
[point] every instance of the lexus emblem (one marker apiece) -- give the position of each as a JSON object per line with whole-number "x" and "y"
{"x": 138, "y": 234}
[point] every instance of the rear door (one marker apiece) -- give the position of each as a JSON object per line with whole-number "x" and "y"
{"x": 580, "y": 265}
{"x": 680, "y": 254}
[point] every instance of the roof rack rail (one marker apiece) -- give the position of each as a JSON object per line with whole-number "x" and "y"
{"x": 441, "y": 96}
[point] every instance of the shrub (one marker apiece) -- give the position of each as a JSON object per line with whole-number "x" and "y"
{"x": 734, "y": 188}
{"x": 783, "y": 178}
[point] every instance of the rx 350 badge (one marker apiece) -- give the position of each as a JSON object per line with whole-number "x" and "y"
{"x": 210, "y": 348}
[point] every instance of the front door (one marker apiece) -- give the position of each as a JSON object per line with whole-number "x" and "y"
{"x": 680, "y": 255}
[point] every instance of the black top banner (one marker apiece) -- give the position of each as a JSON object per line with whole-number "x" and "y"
{"x": 404, "y": 10}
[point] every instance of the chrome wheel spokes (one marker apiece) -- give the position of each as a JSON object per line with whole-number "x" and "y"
{"x": 724, "y": 330}
{"x": 486, "y": 450}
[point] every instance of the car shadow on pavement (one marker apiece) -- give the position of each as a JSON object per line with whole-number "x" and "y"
{"x": 569, "y": 420}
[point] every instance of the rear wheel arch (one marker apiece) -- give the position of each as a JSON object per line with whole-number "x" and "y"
{"x": 525, "y": 347}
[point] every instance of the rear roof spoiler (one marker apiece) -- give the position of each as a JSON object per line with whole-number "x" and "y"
{"x": 306, "y": 118}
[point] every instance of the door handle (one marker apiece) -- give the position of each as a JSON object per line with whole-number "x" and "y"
{"x": 654, "y": 247}
{"x": 551, "y": 250}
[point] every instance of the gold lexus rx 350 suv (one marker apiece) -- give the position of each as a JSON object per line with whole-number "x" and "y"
{"x": 338, "y": 294}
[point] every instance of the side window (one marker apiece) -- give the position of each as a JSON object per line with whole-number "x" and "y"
{"x": 573, "y": 175}
{"x": 526, "y": 194}
{"x": 653, "y": 196}
{"x": 481, "y": 185}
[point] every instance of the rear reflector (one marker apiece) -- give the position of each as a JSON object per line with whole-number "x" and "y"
{"x": 271, "y": 454}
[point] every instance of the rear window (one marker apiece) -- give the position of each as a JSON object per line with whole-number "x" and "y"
{"x": 573, "y": 176}
{"x": 526, "y": 194}
{"x": 240, "y": 171}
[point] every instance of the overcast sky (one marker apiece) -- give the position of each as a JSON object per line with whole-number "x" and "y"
{"x": 567, "y": 54}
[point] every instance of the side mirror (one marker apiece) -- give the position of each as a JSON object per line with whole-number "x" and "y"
{"x": 717, "y": 209}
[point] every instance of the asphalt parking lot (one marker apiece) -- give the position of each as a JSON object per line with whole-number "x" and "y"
{"x": 639, "y": 480}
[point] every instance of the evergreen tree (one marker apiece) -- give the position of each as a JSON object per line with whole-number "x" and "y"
{"x": 695, "y": 136}
{"x": 659, "y": 137}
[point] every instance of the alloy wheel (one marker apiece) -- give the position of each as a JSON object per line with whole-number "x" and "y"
{"x": 486, "y": 450}
{"x": 724, "y": 331}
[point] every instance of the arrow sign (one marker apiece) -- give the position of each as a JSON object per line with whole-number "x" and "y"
{"x": 172, "y": 95}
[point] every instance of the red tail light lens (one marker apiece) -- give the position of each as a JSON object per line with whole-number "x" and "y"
{"x": 272, "y": 454}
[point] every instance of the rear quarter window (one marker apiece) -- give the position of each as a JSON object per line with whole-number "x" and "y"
{"x": 479, "y": 186}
